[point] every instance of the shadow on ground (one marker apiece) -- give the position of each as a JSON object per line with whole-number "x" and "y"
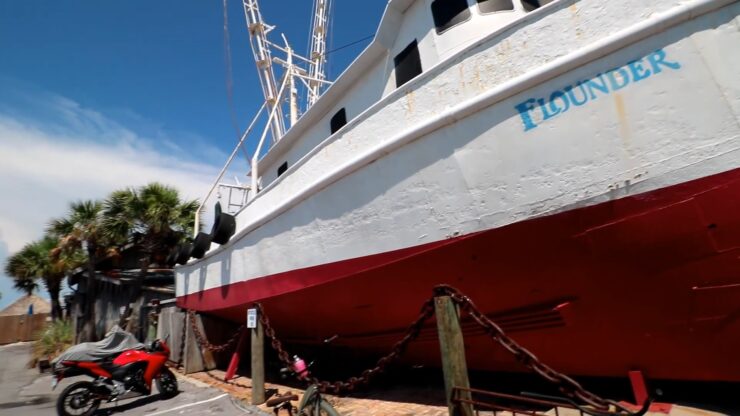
{"x": 138, "y": 402}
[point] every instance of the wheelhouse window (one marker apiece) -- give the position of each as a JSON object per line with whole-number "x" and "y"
{"x": 338, "y": 121}
{"x": 530, "y": 5}
{"x": 491, "y": 6}
{"x": 407, "y": 63}
{"x": 448, "y": 13}
{"x": 282, "y": 168}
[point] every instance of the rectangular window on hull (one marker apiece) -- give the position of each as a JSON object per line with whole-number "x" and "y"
{"x": 282, "y": 168}
{"x": 408, "y": 64}
{"x": 448, "y": 13}
{"x": 490, "y": 6}
{"x": 338, "y": 121}
{"x": 530, "y": 5}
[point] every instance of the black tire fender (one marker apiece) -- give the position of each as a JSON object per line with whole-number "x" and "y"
{"x": 224, "y": 226}
{"x": 172, "y": 257}
{"x": 184, "y": 253}
{"x": 201, "y": 245}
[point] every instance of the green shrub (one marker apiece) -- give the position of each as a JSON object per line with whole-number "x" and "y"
{"x": 54, "y": 339}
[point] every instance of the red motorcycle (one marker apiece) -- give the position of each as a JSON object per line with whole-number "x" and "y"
{"x": 113, "y": 377}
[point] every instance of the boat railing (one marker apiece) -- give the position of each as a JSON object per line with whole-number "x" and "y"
{"x": 243, "y": 193}
{"x": 258, "y": 151}
{"x": 239, "y": 196}
{"x": 246, "y": 193}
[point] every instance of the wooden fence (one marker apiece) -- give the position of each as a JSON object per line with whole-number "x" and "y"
{"x": 16, "y": 328}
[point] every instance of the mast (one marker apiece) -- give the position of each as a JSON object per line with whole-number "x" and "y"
{"x": 260, "y": 49}
{"x": 317, "y": 54}
{"x": 308, "y": 71}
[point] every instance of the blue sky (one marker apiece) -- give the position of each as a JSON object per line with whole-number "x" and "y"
{"x": 97, "y": 95}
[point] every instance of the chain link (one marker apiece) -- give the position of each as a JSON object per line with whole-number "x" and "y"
{"x": 351, "y": 383}
{"x": 203, "y": 342}
{"x": 565, "y": 384}
{"x": 182, "y": 340}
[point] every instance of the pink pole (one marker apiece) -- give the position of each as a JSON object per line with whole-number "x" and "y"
{"x": 235, "y": 358}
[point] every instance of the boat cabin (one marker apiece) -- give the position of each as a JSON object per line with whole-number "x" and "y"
{"x": 414, "y": 36}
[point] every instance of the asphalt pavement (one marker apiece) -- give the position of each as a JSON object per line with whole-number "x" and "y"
{"x": 24, "y": 391}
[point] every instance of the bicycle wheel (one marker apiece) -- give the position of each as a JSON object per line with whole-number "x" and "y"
{"x": 324, "y": 409}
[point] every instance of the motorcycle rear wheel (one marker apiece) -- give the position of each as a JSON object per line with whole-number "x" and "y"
{"x": 166, "y": 383}
{"x": 78, "y": 399}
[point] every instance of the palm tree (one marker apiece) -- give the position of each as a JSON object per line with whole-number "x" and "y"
{"x": 81, "y": 229}
{"x": 63, "y": 262}
{"x": 152, "y": 217}
{"x": 26, "y": 285}
{"x": 20, "y": 267}
{"x": 40, "y": 260}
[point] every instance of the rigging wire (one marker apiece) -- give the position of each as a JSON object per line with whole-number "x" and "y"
{"x": 229, "y": 71}
{"x": 230, "y": 77}
{"x": 349, "y": 44}
{"x": 330, "y": 35}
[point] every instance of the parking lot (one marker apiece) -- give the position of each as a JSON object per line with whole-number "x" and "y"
{"x": 24, "y": 391}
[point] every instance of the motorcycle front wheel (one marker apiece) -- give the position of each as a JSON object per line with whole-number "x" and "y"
{"x": 78, "y": 399}
{"x": 166, "y": 383}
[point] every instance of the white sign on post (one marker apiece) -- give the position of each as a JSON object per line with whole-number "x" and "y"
{"x": 252, "y": 318}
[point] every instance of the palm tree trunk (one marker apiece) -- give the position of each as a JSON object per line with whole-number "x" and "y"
{"x": 88, "y": 332}
{"x": 133, "y": 314}
{"x": 56, "y": 308}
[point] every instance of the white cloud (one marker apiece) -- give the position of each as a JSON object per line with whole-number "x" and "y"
{"x": 82, "y": 154}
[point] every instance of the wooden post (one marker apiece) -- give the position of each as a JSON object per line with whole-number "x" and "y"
{"x": 452, "y": 349}
{"x": 209, "y": 361}
{"x": 258, "y": 364}
{"x": 196, "y": 358}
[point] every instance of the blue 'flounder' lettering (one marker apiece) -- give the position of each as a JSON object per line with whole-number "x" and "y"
{"x": 560, "y": 101}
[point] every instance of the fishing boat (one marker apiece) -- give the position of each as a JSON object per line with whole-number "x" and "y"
{"x": 571, "y": 165}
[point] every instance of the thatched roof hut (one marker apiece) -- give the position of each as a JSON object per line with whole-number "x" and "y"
{"x": 20, "y": 306}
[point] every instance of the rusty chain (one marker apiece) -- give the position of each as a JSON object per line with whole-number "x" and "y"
{"x": 182, "y": 340}
{"x": 569, "y": 387}
{"x": 351, "y": 383}
{"x": 565, "y": 384}
{"x": 203, "y": 342}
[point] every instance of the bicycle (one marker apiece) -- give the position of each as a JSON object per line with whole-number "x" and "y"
{"x": 312, "y": 403}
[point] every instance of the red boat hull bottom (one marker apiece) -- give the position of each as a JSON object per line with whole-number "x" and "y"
{"x": 649, "y": 282}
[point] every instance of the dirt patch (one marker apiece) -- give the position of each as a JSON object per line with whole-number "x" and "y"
{"x": 402, "y": 403}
